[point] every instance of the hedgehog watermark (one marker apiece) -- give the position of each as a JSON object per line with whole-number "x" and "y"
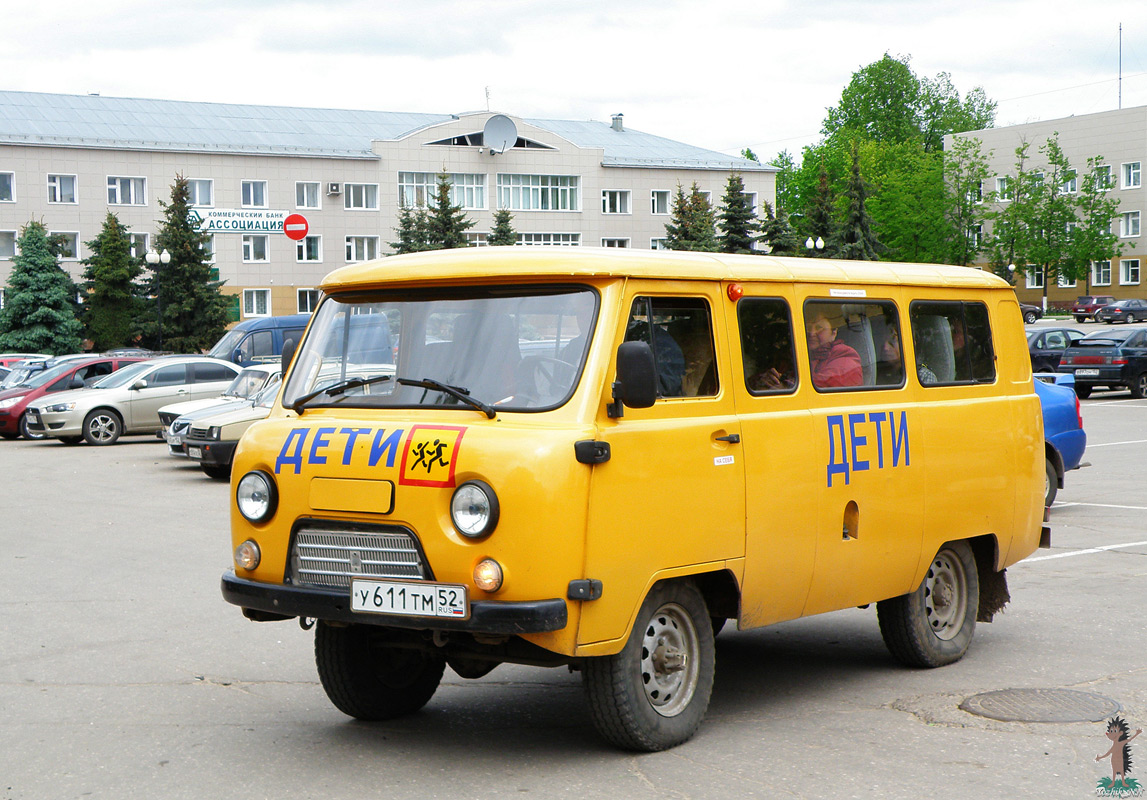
{"x": 1119, "y": 785}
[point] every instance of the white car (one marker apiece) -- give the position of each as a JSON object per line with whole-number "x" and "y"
{"x": 246, "y": 385}
{"x": 212, "y": 439}
{"x": 128, "y": 401}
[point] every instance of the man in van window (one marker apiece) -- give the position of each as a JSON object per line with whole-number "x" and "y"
{"x": 832, "y": 363}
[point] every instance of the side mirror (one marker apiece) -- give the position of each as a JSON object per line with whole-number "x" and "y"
{"x": 140, "y": 384}
{"x": 237, "y": 356}
{"x": 636, "y": 384}
{"x": 76, "y": 382}
{"x": 288, "y": 354}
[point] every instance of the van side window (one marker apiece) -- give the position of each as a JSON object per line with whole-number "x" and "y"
{"x": 258, "y": 346}
{"x": 953, "y": 342}
{"x": 680, "y": 333}
{"x": 767, "y": 348}
{"x": 854, "y": 345}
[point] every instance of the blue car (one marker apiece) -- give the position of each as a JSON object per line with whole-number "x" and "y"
{"x": 1064, "y": 437}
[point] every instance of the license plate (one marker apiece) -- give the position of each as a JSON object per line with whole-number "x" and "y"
{"x": 194, "y": 452}
{"x": 412, "y": 599}
{"x": 1088, "y": 373}
{"x": 174, "y": 440}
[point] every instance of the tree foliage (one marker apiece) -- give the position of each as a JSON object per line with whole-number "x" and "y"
{"x": 736, "y": 219}
{"x": 446, "y": 224}
{"x": 778, "y": 234}
{"x": 39, "y": 314}
{"x": 857, "y": 241}
{"x": 413, "y": 231}
{"x": 113, "y": 306}
{"x": 690, "y": 225}
{"x": 502, "y": 234}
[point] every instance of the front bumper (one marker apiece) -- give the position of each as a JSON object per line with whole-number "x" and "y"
{"x": 486, "y": 616}
{"x": 60, "y": 423}
{"x": 216, "y": 453}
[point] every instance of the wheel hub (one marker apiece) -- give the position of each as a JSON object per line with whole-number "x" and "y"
{"x": 669, "y": 670}
{"x": 945, "y": 596}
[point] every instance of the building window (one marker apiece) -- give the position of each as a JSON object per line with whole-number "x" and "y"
{"x": 201, "y": 192}
{"x": 256, "y": 302}
{"x": 751, "y": 198}
{"x": 7, "y": 245}
{"x": 68, "y": 244}
{"x": 254, "y": 194}
{"x": 539, "y": 192}
{"x": 1035, "y": 277}
{"x": 976, "y": 236}
{"x": 659, "y": 200}
{"x": 568, "y": 239}
{"x": 477, "y": 239}
{"x": 309, "y": 249}
{"x": 467, "y": 190}
{"x": 7, "y": 187}
{"x": 615, "y": 243}
{"x": 659, "y": 244}
{"x": 614, "y": 201}
{"x": 1070, "y": 184}
{"x": 137, "y": 244}
{"x": 361, "y": 248}
{"x": 1064, "y": 282}
{"x": 1003, "y": 188}
{"x": 307, "y": 194}
{"x": 1129, "y": 272}
{"x": 1103, "y": 177}
{"x": 362, "y": 196}
{"x": 62, "y": 189}
{"x": 127, "y": 191}
{"x": 1129, "y": 224}
{"x": 1100, "y": 273}
{"x": 1132, "y": 175}
{"x": 208, "y": 249}
{"x": 308, "y": 299}
{"x": 254, "y": 248}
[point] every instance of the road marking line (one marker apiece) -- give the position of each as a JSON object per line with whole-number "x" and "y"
{"x": 1113, "y": 444}
{"x": 1084, "y": 552}
{"x": 1100, "y": 505}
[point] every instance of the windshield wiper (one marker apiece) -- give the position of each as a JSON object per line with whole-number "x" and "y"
{"x": 457, "y": 392}
{"x": 337, "y": 389}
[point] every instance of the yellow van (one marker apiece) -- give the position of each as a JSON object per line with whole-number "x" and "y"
{"x": 595, "y": 458}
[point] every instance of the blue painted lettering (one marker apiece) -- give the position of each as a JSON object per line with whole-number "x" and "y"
{"x": 351, "y": 435}
{"x": 879, "y": 418}
{"x": 858, "y": 441}
{"x": 320, "y": 440}
{"x": 297, "y": 437}
{"x": 848, "y": 447}
{"x": 389, "y": 446}
{"x": 836, "y": 421}
{"x": 902, "y": 442}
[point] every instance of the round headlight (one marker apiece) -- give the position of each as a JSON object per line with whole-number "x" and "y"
{"x": 247, "y": 554}
{"x": 256, "y": 496}
{"x": 474, "y": 509}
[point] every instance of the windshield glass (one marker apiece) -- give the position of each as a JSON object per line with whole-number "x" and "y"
{"x": 513, "y": 348}
{"x": 124, "y": 376}
{"x": 1117, "y": 336}
{"x": 248, "y": 383}
{"x": 224, "y": 346}
{"x": 266, "y": 397}
{"x": 46, "y": 376}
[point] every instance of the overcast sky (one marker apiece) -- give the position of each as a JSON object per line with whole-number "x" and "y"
{"x": 721, "y": 74}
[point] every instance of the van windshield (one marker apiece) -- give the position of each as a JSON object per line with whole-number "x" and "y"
{"x": 486, "y": 348}
{"x": 224, "y": 347}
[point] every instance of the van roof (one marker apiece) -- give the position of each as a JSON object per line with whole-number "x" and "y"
{"x": 285, "y": 321}
{"x": 481, "y": 264}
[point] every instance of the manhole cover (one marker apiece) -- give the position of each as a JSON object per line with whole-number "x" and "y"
{"x": 1041, "y": 705}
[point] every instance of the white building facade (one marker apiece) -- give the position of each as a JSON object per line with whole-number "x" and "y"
{"x": 69, "y": 160}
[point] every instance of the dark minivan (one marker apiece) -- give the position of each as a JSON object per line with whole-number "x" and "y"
{"x": 1111, "y": 358}
{"x": 259, "y": 341}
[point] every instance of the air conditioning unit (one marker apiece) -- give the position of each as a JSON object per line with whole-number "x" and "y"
{"x": 334, "y": 188}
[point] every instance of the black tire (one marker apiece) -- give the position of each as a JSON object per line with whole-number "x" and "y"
{"x": 654, "y": 693}
{"x": 1139, "y": 386}
{"x": 1030, "y": 317}
{"x": 27, "y": 434}
{"x": 9, "y": 436}
{"x": 718, "y": 625}
{"x": 1051, "y": 485}
{"x": 1080, "y": 319}
{"x": 1129, "y": 318}
{"x": 1082, "y": 391}
{"x": 933, "y": 625}
{"x": 71, "y": 439}
{"x": 102, "y": 427}
{"x": 217, "y": 471}
{"x": 369, "y": 680}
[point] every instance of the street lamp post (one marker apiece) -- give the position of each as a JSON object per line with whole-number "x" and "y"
{"x": 155, "y": 259}
{"x": 810, "y": 245}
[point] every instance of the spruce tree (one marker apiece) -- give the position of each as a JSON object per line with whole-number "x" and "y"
{"x": 858, "y": 242}
{"x": 447, "y": 224}
{"x": 503, "y": 233}
{"x": 113, "y": 305}
{"x": 820, "y": 223}
{"x": 690, "y": 225}
{"x": 778, "y": 233}
{"x": 189, "y": 305}
{"x": 39, "y": 315}
{"x": 413, "y": 231}
{"x": 738, "y": 223}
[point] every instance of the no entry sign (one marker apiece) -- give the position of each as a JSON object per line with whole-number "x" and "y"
{"x": 295, "y": 226}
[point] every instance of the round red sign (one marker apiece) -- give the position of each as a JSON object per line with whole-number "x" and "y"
{"x": 295, "y": 226}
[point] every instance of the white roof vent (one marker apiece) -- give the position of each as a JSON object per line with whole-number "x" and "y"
{"x": 618, "y": 125}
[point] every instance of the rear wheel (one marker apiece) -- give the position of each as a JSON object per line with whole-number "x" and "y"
{"x": 1139, "y": 386}
{"x": 1030, "y": 317}
{"x": 28, "y": 434}
{"x": 1082, "y": 391}
{"x": 654, "y": 693}
{"x": 933, "y": 625}
{"x": 1051, "y": 482}
{"x": 102, "y": 426}
{"x": 367, "y": 678}
{"x": 1080, "y": 319}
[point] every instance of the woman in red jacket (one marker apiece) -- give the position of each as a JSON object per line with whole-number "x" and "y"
{"x": 833, "y": 363}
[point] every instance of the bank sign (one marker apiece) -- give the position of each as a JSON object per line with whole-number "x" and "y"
{"x": 237, "y": 220}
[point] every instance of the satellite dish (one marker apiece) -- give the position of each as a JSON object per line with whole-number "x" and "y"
{"x": 499, "y": 133}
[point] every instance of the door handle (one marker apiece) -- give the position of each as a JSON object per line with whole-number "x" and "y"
{"x": 732, "y": 438}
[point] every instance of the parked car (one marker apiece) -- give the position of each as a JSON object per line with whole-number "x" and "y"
{"x": 1063, "y": 434}
{"x": 212, "y": 438}
{"x": 260, "y": 341}
{"x": 1122, "y": 311}
{"x": 1111, "y": 358}
{"x": 1086, "y": 305}
{"x": 1046, "y": 346}
{"x": 128, "y": 401}
{"x": 8, "y": 359}
{"x": 176, "y": 417}
{"x": 68, "y": 374}
{"x": 1030, "y": 313}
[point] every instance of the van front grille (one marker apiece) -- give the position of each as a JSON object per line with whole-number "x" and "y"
{"x": 329, "y": 559}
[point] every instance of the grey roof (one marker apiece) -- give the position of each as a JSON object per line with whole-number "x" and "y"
{"x": 129, "y": 123}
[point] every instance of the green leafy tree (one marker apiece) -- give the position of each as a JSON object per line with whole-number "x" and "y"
{"x": 39, "y": 315}
{"x": 857, "y": 240}
{"x": 1093, "y": 238}
{"x": 738, "y": 223}
{"x": 191, "y": 309}
{"x": 777, "y": 234}
{"x": 1048, "y": 216}
{"x": 503, "y": 233}
{"x": 786, "y": 190}
{"x": 907, "y": 201}
{"x": 749, "y": 155}
{"x": 690, "y": 225}
{"x": 965, "y": 171}
{"x": 447, "y": 225}
{"x": 1006, "y": 244}
{"x": 113, "y": 307}
{"x": 942, "y": 111}
{"x": 413, "y": 231}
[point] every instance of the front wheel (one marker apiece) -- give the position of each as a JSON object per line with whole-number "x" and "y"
{"x": 102, "y": 427}
{"x": 29, "y": 434}
{"x": 1051, "y": 482}
{"x": 369, "y": 679}
{"x": 1030, "y": 317}
{"x": 933, "y": 625}
{"x": 654, "y": 693}
{"x": 1080, "y": 319}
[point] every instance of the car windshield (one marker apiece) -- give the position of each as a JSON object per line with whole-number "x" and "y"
{"x": 19, "y": 376}
{"x": 46, "y": 376}
{"x": 248, "y": 383}
{"x": 503, "y": 348}
{"x": 124, "y": 376}
{"x": 266, "y": 397}
{"x": 1099, "y": 336}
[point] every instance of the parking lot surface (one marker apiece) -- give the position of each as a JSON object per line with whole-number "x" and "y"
{"x": 123, "y": 673}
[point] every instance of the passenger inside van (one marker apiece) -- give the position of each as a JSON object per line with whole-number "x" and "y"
{"x": 890, "y": 366}
{"x": 832, "y": 363}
